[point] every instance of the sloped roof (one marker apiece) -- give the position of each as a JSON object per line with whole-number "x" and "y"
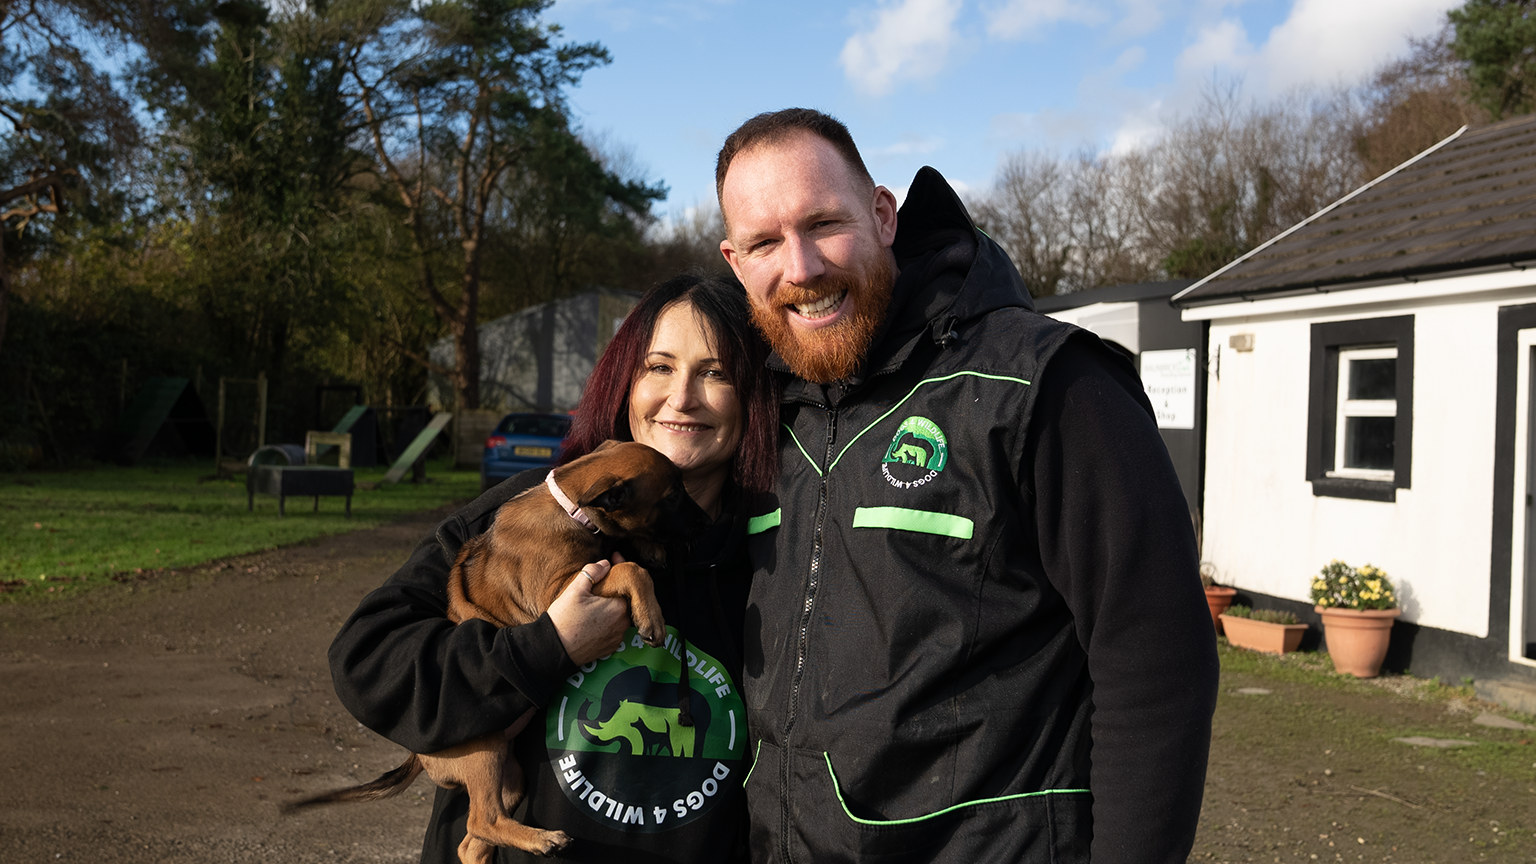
{"x": 1466, "y": 203}
{"x": 1124, "y": 293}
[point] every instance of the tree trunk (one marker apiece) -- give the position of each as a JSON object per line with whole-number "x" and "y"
{"x": 466, "y": 331}
{"x": 466, "y": 362}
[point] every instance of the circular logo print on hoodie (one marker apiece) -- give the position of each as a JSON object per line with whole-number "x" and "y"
{"x": 620, "y": 741}
{"x": 917, "y": 454}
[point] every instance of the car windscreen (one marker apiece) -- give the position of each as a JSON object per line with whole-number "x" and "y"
{"x": 541, "y": 425}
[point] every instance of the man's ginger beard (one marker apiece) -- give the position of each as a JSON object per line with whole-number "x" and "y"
{"x": 834, "y": 352}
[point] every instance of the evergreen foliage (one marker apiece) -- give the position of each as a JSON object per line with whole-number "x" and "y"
{"x": 1497, "y": 40}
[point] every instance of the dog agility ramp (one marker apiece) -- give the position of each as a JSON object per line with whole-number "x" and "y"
{"x": 418, "y": 447}
{"x": 167, "y": 409}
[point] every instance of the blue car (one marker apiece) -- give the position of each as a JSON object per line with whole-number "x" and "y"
{"x": 521, "y": 442}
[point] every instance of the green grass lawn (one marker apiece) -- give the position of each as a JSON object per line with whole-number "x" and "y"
{"x": 64, "y": 532}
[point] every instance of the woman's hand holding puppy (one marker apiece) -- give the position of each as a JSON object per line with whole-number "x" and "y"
{"x": 589, "y": 625}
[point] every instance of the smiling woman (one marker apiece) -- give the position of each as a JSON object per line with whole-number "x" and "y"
{"x": 686, "y": 358}
{"x": 683, "y": 404}
{"x": 685, "y": 375}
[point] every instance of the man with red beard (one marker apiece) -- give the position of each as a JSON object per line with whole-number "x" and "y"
{"x": 976, "y": 631}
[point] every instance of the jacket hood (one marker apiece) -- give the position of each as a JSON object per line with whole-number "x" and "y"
{"x": 951, "y": 271}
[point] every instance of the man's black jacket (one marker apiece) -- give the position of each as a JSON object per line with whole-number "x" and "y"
{"x": 976, "y": 630}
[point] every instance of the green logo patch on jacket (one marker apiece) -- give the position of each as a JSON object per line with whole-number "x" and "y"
{"x": 619, "y": 749}
{"x": 918, "y": 452}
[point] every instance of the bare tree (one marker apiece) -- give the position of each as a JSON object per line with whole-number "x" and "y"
{"x": 1213, "y": 185}
{"x": 1028, "y": 213}
{"x": 1413, "y": 102}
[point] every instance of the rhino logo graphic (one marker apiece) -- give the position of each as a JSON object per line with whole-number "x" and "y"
{"x": 918, "y": 441}
{"x": 616, "y": 747}
{"x": 911, "y": 453}
{"x": 644, "y": 714}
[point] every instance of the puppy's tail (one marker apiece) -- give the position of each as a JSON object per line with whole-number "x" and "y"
{"x": 387, "y": 786}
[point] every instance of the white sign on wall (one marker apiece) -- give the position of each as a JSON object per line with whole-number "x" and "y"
{"x": 1169, "y": 377}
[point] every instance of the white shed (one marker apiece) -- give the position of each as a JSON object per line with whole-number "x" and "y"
{"x": 1369, "y": 398}
{"x": 538, "y": 358}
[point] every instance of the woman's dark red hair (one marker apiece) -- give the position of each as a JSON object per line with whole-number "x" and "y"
{"x": 721, "y": 302}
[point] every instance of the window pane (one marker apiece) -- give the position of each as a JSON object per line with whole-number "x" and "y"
{"x": 1368, "y": 441}
{"x": 1373, "y": 379}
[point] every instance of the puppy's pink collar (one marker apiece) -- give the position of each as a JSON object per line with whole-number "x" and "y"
{"x": 567, "y": 504}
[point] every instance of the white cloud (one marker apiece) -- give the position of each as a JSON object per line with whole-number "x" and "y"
{"x": 1128, "y": 60}
{"x": 1321, "y": 42}
{"x": 909, "y": 145}
{"x": 1138, "y": 128}
{"x": 1051, "y": 128}
{"x": 1028, "y": 19}
{"x": 906, "y": 40}
{"x": 1224, "y": 47}
{"x": 1326, "y": 40}
{"x": 1138, "y": 18}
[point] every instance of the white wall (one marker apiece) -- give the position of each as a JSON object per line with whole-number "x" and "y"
{"x": 1117, "y": 322}
{"x": 1266, "y": 531}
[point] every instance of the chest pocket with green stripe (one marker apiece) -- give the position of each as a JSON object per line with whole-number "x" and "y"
{"x": 918, "y": 521}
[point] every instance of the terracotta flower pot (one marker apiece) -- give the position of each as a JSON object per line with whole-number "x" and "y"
{"x": 1262, "y": 635}
{"x": 1357, "y": 638}
{"x": 1218, "y": 598}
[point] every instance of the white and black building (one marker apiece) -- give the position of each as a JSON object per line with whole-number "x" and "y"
{"x": 1369, "y": 397}
{"x": 538, "y": 358}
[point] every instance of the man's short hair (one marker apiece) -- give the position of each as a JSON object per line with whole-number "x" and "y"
{"x": 772, "y": 127}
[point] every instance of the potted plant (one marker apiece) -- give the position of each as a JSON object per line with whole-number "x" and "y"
{"x": 1217, "y": 597}
{"x": 1269, "y": 630}
{"x": 1358, "y": 607}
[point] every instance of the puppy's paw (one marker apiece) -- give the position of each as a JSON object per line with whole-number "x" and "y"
{"x": 550, "y": 842}
{"x": 652, "y": 631}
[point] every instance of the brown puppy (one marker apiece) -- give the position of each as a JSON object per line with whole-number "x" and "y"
{"x": 512, "y": 573}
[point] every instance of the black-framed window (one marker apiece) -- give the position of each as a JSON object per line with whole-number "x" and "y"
{"x": 1360, "y": 408}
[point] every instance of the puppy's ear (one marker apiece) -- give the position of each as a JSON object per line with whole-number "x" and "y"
{"x": 605, "y": 445}
{"x": 608, "y": 493}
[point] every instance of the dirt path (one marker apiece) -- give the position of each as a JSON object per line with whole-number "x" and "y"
{"x": 1305, "y": 771}
{"x": 167, "y": 722}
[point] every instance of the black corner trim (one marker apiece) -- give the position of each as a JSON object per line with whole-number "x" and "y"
{"x": 1327, "y": 339}
{"x": 1512, "y": 319}
{"x": 1345, "y": 487}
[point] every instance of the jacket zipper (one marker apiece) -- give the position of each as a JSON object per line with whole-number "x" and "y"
{"x": 805, "y": 624}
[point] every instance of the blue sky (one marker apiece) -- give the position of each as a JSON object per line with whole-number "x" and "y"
{"x": 955, "y": 84}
